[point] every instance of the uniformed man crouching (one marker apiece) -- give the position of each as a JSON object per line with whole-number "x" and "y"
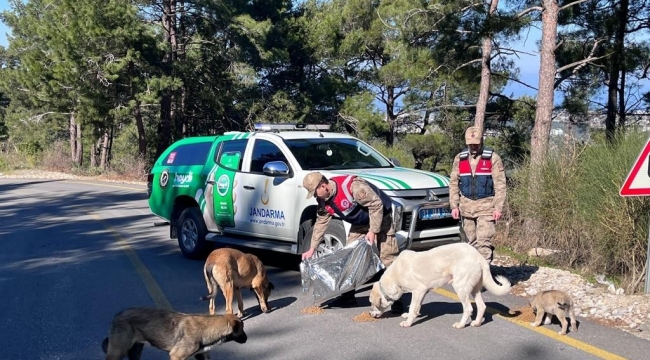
{"x": 365, "y": 207}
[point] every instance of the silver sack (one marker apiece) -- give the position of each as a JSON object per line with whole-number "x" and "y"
{"x": 343, "y": 270}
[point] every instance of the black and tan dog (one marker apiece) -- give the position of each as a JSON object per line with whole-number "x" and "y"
{"x": 182, "y": 335}
{"x": 231, "y": 270}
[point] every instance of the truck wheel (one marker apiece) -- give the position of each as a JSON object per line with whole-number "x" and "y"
{"x": 334, "y": 239}
{"x": 191, "y": 234}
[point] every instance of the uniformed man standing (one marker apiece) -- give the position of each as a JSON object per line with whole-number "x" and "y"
{"x": 477, "y": 191}
{"x": 367, "y": 208}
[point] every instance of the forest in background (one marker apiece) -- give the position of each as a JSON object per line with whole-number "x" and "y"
{"x": 107, "y": 85}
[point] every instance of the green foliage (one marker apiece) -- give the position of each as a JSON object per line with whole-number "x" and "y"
{"x": 581, "y": 213}
{"x": 513, "y": 141}
{"x": 399, "y": 151}
{"x": 432, "y": 147}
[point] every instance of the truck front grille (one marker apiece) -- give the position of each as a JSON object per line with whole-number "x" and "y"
{"x": 426, "y": 224}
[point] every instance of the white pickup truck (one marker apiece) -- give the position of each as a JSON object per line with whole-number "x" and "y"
{"x": 245, "y": 189}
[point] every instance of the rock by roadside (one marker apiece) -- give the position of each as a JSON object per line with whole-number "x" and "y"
{"x": 630, "y": 313}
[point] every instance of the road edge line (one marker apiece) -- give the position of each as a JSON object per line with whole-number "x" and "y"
{"x": 150, "y": 283}
{"x": 590, "y": 349}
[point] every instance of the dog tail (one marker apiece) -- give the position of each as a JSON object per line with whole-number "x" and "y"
{"x": 209, "y": 278}
{"x": 105, "y": 345}
{"x": 489, "y": 282}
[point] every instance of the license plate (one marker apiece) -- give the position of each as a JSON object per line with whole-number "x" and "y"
{"x": 435, "y": 213}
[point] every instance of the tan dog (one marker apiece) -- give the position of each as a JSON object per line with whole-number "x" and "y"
{"x": 181, "y": 335}
{"x": 231, "y": 270}
{"x": 459, "y": 264}
{"x": 553, "y": 302}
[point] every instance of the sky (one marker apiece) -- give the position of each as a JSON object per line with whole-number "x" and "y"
{"x": 4, "y": 5}
{"x": 528, "y": 64}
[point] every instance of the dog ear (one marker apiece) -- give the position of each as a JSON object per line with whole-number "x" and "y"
{"x": 391, "y": 288}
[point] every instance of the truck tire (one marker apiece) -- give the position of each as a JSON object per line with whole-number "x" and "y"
{"x": 191, "y": 234}
{"x": 334, "y": 238}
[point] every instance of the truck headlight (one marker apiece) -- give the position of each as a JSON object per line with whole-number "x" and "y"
{"x": 397, "y": 216}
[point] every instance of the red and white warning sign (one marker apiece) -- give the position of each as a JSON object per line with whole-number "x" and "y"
{"x": 637, "y": 182}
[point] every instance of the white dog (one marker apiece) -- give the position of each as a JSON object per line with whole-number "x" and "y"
{"x": 458, "y": 264}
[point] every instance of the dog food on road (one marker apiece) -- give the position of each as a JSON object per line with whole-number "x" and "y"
{"x": 525, "y": 314}
{"x": 364, "y": 317}
{"x": 313, "y": 310}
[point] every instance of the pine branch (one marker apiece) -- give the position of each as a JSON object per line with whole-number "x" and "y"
{"x": 515, "y": 80}
{"x": 529, "y": 10}
{"x": 467, "y": 63}
{"x": 572, "y": 4}
{"x": 578, "y": 65}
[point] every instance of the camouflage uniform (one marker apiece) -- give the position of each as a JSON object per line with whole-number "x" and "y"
{"x": 477, "y": 215}
{"x": 380, "y": 223}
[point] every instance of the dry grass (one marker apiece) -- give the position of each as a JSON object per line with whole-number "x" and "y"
{"x": 577, "y": 210}
{"x": 57, "y": 157}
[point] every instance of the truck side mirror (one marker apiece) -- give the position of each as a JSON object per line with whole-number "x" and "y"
{"x": 395, "y": 161}
{"x": 276, "y": 168}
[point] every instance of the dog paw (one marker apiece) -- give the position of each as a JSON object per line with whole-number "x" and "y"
{"x": 405, "y": 324}
{"x": 458, "y": 325}
{"x": 547, "y": 321}
{"x": 477, "y": 323}
{"x": 405, "y": 315}
{"x": 533, "y": 324}
{"x": 561, "y": 332}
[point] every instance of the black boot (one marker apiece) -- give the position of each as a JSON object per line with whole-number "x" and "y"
{"x": 346, "y": 300}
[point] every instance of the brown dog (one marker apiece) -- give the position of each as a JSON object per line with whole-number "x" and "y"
{"x": 181, "y": 335}
{"x": 231, "y": 270}
{"x": 553, "y": 302}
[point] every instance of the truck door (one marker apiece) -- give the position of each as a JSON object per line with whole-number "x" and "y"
{"x": 269, "y": 201}
{"x": 223, "y": 179}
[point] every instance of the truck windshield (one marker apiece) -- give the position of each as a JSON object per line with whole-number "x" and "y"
{"x": 335, "y": 154}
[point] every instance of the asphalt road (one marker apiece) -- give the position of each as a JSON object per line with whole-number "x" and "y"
{"x": 75, "y": 253}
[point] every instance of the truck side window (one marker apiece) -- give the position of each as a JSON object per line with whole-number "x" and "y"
{"x": 231, "y": 154}
{"x": 265, "y": 151}
{"x": 188, "y": 154}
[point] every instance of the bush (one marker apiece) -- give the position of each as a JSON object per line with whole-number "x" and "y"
{"x": 580, "y": 212}
{"x": 398, "y": 151}
{"x": 57, "y": 157}
{"x": 13, "y": 158}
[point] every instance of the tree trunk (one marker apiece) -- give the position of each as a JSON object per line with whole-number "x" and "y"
{"x": 486, "y": 56}
{"x": 103, "y": 162}
{"x": 79, "y": 156}
{"x": 544, "y": 110}
{"x": 76, "y": 145}
{"x": 615, "y": 72}
{"x": 390, "y": 115}
{"x": 73, "y": 137}
{"x": 164, "y": 126}
{"x": 142, "y": 136}
{"x": 620, "y": 50}
{"x": 612, "y": 91}
{"x": 166, "y": 101}
{"x": 95, "y": 152}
